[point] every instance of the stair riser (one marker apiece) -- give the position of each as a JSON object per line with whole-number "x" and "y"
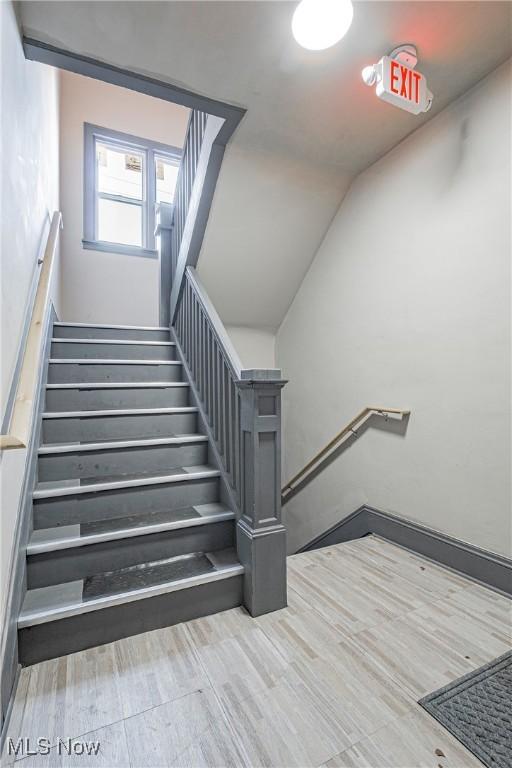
{"x": 58, "y": 638}
{"x": 71, "y": 564}
{"x": 120, "y": 461}
{"x": 91, "y": 507}
{"x": 91, "y": 428}
{"x": 88, "y": 351}
{"x": 98, "y": 399}
{"x": 80, "y": 332}
{"x": 63, "y": 373}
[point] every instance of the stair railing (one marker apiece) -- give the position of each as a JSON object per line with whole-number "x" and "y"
{"x": 20, "y": 423}
{"x": 188, "y": 167}
{"x": 349, "y": 430}
{"x": 242, "y": 412}
{"x": 203, "y": 151}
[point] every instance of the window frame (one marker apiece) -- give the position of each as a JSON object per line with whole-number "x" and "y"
{"x": 150, "y": 151}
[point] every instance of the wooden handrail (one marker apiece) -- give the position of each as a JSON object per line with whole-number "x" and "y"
{"x": 19, "y": 428}
{"x": 349, "y": 429}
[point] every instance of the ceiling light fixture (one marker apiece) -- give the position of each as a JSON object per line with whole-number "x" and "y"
{"x": 318, "y": 24}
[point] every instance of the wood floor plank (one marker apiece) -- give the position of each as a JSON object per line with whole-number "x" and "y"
{"x": 300, "y": 634}
{"x": 419, "y": 570}
{"x": 219, "y": 626}
{"x": 156, "y": 667}
{"x": 14, "y": 730}
{"x": 242, "y": 665}
{"x": 413, "y": 741}
{"x": 72, "y": 695}
{"x": 286, "y": 726}
{"x": 169, "y": 735}
{"x": 429, "y": 666}
{"x": 346, "y": 603}
{"x": 463, "y": 630}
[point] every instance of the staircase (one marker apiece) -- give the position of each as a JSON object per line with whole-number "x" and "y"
{"x": 132, "y": 529}
{"x": 157, "y": 496}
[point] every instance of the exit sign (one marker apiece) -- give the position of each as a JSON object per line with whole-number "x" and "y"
{"x": 402, "y": 86}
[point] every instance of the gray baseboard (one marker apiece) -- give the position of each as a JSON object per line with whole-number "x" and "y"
{"x": 17, "y": 575}
{"x": 485, "y": 567}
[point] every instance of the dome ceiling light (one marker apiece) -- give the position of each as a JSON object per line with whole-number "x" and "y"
{"x": 319, "y": 24}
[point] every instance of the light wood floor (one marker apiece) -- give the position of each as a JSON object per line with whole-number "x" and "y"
{"x": 333, "y": 680}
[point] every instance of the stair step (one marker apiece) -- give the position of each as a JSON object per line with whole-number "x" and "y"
{"x": 115, "y": 588}
{"x": 124, "y": 349}
{"x": 120, "y": 342}
{"x": 81, "y": 535}
{"x": 117, "y": 423}
{"x": 105, "y": 395}
{"x": 118, "y": 385}
{"x": 91, "y": 330}
{"x": 117, "y": 412}
{"x": 83, "y": 370}
{"x": 107, "y": 445}
{"x": 61, "y": 461}
{"x": 52, "y": 489}
{"x": 68, "y": 502}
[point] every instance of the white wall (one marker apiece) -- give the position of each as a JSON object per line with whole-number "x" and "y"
{"x": 29, "y": 193}
{"x": 107, "y": 287}
{"x": 407, "y": 304}
{"x": 256, "y": 347}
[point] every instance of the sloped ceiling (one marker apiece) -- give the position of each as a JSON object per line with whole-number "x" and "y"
{"x": 311, "y": 123}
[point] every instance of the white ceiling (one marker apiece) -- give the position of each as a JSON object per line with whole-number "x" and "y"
{"x": 310, "y": 116}
{"x": 311, "y": 103}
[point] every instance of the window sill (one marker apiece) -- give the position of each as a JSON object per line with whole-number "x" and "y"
{"x": 126, "y": 250}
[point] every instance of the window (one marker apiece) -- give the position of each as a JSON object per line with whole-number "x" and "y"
{"x": 124, "y": 178}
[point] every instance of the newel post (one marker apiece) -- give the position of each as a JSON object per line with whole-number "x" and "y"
{"x": 163, "y": 229}
{"x": 261, "y": 537}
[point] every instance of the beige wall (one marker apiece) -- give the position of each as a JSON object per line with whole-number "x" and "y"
{"x": 256, "y": 347}
{"x": 268, "y": 216}
{"x": 29, "y": 194}
{"x": 407, "y": 304}
{"x": 107, "y": 287}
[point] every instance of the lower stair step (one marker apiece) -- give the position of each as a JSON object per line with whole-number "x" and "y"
{"x": 88, "y": 500}
{"x": 80, "y": 370}
{"x": 137, "y": 582}
{"x": 112, "y": 349}
{"x": 53, "y": 558}
{"x": 62, "y": 537}
{"x": 94, "y": 396}
{"x": 117, "y": 424}
{"x": 103, "y": 607}
{"x": 111, "y": 457}
{"x": 66, "y": 330}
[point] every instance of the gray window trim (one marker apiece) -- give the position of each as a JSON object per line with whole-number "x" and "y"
{"x": 150, "y": 150}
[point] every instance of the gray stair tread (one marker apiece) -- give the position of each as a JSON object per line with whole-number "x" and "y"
{"x": 83, "y": 534}
{"x": 118, "y": 412}
{"x": 52, "y": 488}
{"x": 109, "y": 444}
{"x": 122, "y": 327}
{"x": 121, "y": 342}
{"x": 109, "y": 361}
{"x": 125, "y": 585}
{"x": 118, "y": 385}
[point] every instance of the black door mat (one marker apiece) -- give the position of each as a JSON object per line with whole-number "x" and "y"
{"x": 477, "y": 710}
